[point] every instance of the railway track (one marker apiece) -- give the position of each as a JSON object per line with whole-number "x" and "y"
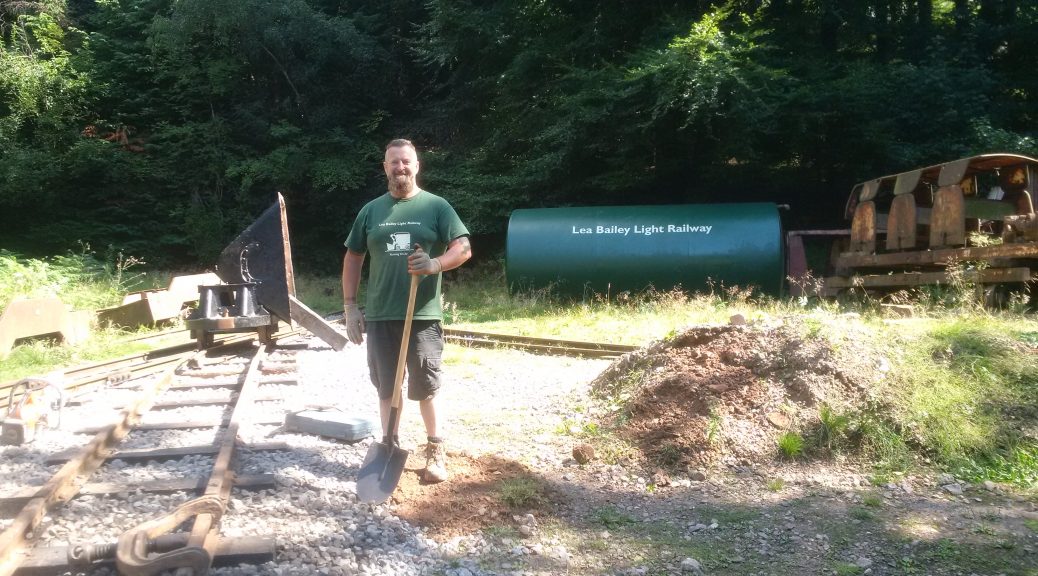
{"x": 186, "y": 409}
{"x": 87, "y": 378}
{"x": 205, "y": 396}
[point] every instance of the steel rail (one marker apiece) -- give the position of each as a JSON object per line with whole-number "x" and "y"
{"x": 141, "y": 363}
{"x": 65, "y": 483}
{"x": 532, "y": 344}
{"x": 138, "y": 552}
{"x": 134, "y": 555}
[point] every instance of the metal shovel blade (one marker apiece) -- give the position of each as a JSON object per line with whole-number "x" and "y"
{"x": 380, "y": 473}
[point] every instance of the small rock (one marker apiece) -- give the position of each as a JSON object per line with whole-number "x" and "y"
{"x": 863, "y": 562}
{"x": 526, "y": 530}
{"x": 953, "y": 489}
{"x": 778, "y": 420}
{"x": 660, "y": 478}
{"x": 737, "y": 320}
{"x": 697, "y": 476}
{"x": 584, "y": 453}
{"x": 989, "y": 486}
{"x": 691, "y": 565}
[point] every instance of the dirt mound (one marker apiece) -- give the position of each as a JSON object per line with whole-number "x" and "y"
{"x": 470, "y": 500}
{"x": 726, "y": 393}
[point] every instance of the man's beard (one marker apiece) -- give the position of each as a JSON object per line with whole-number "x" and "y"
{"x": 401, "y": 188}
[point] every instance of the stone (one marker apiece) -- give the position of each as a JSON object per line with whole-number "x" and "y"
{"x": 953, "y": 489}
{"x": 691, "y": 565}
{"x": 778, "y": 420}
{"x": 584, "y": 453}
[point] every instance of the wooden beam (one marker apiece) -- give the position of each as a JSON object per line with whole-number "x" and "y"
{"x": 906, "y": 279}
{"x": 937, "y": 257}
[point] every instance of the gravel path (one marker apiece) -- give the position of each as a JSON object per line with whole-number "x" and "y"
{"x": 313, "y": 514}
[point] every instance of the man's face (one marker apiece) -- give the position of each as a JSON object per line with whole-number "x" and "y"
{"x": 401, "y": 169}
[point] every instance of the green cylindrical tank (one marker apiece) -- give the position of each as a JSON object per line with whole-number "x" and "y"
{"x": 610, "y": 249}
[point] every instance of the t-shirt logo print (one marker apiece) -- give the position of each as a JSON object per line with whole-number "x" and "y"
{"x": 400, "y": 241}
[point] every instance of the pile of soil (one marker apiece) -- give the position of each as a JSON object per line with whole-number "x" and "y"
{"x": 471, "y": 499}
{"x": 726, "y": 393}
{"x": 708, "y": 395}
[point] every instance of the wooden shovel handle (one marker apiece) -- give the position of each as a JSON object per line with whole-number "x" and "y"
{"x": 401, "y": 361}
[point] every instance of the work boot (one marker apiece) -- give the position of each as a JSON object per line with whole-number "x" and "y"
{"x": 435, "y": 462}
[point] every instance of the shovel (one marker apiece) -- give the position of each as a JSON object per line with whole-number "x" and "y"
{"x": 384, "y": 463}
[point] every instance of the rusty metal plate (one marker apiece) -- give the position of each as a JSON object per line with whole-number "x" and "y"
{"x": 901, "y": 223}
{"x": 948, "y": 218}
{"x": 863, "y": 228}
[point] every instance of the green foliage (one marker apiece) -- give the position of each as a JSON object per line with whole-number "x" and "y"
{"x": 833, "y": 427}
{"x": 611, "y": 518}
{"x": 965, "y": 393}
{"x": 80, "y": 280}
{"x": 162, "y": 128}
{"x": 519, "y": 492}
{"x": 872, "y": 501}
{"x": 790, "y": 444}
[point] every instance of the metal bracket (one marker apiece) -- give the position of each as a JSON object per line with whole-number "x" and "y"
{"x": 133, "y": 551}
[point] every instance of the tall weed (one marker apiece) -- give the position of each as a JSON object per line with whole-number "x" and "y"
{"x": 80, "y": 280}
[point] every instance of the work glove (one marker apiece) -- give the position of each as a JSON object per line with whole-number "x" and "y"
{"x": 420, "y": 263}
{"x": 354, "y": 320}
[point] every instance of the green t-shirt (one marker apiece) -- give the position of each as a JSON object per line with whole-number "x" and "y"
{"x": 387, "y": 229}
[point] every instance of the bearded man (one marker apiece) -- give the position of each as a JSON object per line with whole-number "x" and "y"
{"x": 407, "y": 231}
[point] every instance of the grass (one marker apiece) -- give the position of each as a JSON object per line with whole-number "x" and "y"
{"x": 611, "y": 518}
{"x": 790, "y": 444}
{"x": 872, "y": 501}
{"x": 519, "y": 492}
{"x": 860, "y": 513}
{"x": 963, "y": 391}
{"x": 479, "y": 299}
{"x": 44, "y": 356}
{"x": 82, "y": 282}
{"x": 833, "y": 427}
{"x": 323, "y": 294}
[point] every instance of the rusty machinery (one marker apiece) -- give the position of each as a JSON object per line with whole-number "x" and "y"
{"x": 259, "y": 287}
{"x": 974, "y": 214}
{"x": 32, "y": 404}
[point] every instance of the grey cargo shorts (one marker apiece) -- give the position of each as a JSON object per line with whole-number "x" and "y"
{"x": 424, "y": 354}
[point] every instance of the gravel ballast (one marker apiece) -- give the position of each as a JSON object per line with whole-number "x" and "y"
{"x": 313, "y": 514}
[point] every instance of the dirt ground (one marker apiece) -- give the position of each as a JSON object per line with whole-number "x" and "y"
{"x": 688, "y": 478}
